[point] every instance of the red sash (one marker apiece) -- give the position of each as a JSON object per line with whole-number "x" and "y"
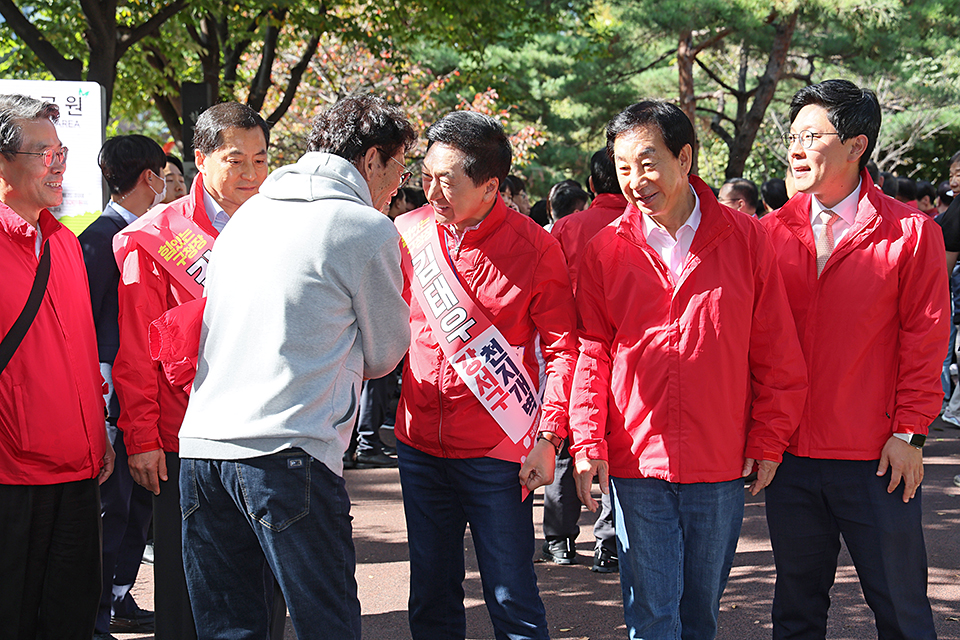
{"x": 491, "y": 368}
{"x": 176, "y": 243}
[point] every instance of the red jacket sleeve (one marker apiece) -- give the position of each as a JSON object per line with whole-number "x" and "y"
{"x": 137, "y": 378}
{"x": 554, "y": 315}
{"x": 591, "y": 381}
{"x": 174, "y": 341}
{"x": 924, "y": 310}
{"x": 778, "y": 371}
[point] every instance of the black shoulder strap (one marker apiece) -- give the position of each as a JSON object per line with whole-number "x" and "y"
{"x": 19, "y": 329}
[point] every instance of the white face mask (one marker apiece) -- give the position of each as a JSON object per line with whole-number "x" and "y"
{"x": 158, "y": 197}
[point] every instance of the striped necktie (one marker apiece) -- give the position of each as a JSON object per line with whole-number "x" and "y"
{"x": 825, "y": 242}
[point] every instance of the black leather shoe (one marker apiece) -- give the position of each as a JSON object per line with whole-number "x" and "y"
{"x": 560, "y": 551}
{"x": 605, "y": 561}
{"x": 375, "y": 461}
{"x": 136, "y": 621}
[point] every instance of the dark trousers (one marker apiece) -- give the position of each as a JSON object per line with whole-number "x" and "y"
{"x": 127, "y": 508}
{"x": 440, "y": 497}
{"x": 810, "y": 504}
{"x": 561, "y": 507}
{"x": 374, "y": 400}
{"x": 172, "y": 615}
{"x": 49, "y": 560}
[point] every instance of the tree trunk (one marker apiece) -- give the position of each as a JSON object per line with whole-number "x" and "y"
{"x": 688, "y": 98}
{"x": 749, "y": 124}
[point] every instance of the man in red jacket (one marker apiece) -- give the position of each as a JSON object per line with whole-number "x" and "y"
{"x": 561, "y": 506}
{"x": 866, "y": 281}
{"x": 231, "y": 154}
{"x": 689, "y": 374}
{"x": 483, "y": 282}
{"x": 53, "y": 438}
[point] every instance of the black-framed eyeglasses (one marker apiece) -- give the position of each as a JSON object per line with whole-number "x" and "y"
{"x": 48, "y": 155}
{"x": 404, "y": 175}
{"x": 805, "y": 137}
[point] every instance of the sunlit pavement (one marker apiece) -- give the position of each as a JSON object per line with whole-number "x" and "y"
{"x": 581, "y": 604}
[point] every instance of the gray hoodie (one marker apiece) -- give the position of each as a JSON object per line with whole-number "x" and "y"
{"x": 303, "y": 302}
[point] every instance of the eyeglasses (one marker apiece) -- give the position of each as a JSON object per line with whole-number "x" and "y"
{"x": 48, "y": 155}
{"x": 806, "y": 138}
{"x": 404, "y": 175}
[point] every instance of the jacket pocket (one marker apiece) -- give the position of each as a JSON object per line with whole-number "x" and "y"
{"x": 21, "y": 417}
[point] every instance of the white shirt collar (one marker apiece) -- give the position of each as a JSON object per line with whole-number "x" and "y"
{"x": 673, "y": 251}
{"x": 127, "y": 216}
{"x": 692, "y": 223}
{"x": 846, "y": 208}
{"x": 218, "y": 217}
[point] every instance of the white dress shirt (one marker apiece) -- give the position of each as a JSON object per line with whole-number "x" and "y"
{"x": 127, "y": 216}
{"x": 673, "y": 251}
{"x": 846, "y": 209}
{"x": 218, "y": 217}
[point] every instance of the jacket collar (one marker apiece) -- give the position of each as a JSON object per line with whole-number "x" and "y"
{"x": 21, "y": 231}
{"x": 714, "y": 227}
{"x": 199, "y": 212}
{"x": 489, "y": 225}
{"x": 110, "y": 213}
{"x": 609, "y": 201}
{"x": 795, "y": 216}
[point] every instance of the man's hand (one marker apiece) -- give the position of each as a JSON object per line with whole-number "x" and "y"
{"x": 766, "y": 469}
{"x": 585, "y": 472}
{"x": 148, "y": 469}
{"x": 539, "y": 467}
{"x": 106, "y": 463}
{"x": 905, "y": 462}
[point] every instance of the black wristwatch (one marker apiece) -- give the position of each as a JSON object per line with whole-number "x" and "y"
{"x": 915, "y": 440}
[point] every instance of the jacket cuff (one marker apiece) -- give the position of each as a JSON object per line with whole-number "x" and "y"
{"x": 757, "y": 452}
{"x": 591, "y": 452}
{"x": 150, "y": 445}
{"x": 912, "y": 428}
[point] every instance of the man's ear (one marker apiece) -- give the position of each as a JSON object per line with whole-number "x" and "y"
{"x": 858, "y": 146}
{"x": 369, "y": 162}
{"x": 686, "y": 158}
{"x": 491, "y": 189}
{"x": 198, "y": 158}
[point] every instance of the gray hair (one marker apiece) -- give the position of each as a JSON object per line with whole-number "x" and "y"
{"x": 14, "y": 111}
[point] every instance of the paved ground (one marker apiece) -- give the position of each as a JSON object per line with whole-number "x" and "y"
{"x": 584, "y": 605}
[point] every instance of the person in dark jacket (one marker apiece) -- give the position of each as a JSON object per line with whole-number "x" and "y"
{"x": 133, "y": 168}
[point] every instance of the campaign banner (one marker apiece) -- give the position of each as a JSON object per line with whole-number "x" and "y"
{"x": 491, "y": 368}
{"x": 179, "y": 245}
{"x": 81, "y": 130}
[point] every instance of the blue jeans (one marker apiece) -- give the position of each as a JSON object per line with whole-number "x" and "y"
{"x": 945, "y": 380}
{"x": 676, "y": 544}
{"x": 287, "y": 510}
{"x": 440, "y": 496}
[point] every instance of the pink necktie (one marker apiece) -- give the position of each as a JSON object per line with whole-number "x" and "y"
{"x": 825, "y": 241}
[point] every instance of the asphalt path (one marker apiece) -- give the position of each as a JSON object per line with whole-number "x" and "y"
{"x": 581, "y": 604}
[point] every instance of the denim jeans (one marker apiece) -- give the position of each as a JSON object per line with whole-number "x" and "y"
{"x": 676, "y": 544}
{"x": 287, "y": 510}
{"x": 440, "y": 496}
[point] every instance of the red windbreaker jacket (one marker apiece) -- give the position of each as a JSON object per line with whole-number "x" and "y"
{"x": 52, "y": 420}
{"x": 517, "y": 273}
{"x": 682, "y": 380}
{"x": 151, "y": 408}
{"x": 874, "y": 327}
{"x": 573, "y": 232}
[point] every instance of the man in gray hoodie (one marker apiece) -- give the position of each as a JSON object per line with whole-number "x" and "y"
{"x": 303, "y": 302}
